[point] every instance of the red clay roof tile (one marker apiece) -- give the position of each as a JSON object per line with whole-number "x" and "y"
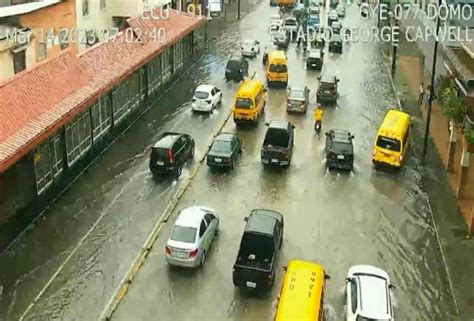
{"x": 38, "y": 101}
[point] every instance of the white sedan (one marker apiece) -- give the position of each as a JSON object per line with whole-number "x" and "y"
{"x": 206, "y": 98}
{"x": 191, "y": 237}
{"x": 250, "y": 48}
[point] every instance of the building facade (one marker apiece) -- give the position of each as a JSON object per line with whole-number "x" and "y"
{"x": 38, "y": 169}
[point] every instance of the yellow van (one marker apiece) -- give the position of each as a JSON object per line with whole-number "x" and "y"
{"x": 285, "y": 3}
{"x": 249, "y": 101}
{"x": 277, "y": 67}
{"x": 392, "y": 141}
{"x": 302, "y": 292}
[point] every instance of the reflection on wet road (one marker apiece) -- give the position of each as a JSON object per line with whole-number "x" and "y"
{"x": 336, "y": 219}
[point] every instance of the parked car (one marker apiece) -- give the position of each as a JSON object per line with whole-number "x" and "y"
{"x": 250, "y": 48}
{"x": 256, "y": 264}
{"x": 339, "y": 149}
{"x": 277, "y": 148}
{"x": 314, "y": 10}
{"x": 191, "y": 236}
{"x": 237, "y": 68}
{"x": 290, "y": 24}
{"x": 341, "y": 11}
{"x": 332, "y": 16}
{"x": 336, "y": 27}
{"x": 274, "y": 27}
{"x": 368, "y": 294}
{"x": 170, "y": 153}
{"x": 297, "y": 99}
{"x": 206, "y": 98}
{"x": 314, "y": 22}
{"x": 266, "y": 50}
{"x": 327, "y": 90}
{"x": 335, "y": 44}
{"x": 225, "y": 151}
{"x": 315, "y": 59}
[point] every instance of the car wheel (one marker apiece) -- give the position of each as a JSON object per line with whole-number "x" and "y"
{"x": 179, "y": 170}
{"x": 203, "y": 259}
{"x": 232, "y": 164}
{"x": 220, "y": 99}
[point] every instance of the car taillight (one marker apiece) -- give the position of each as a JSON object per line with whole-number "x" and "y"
{"x": 193, "y": 253}
{"x": 401, "y": 158}
{"x": 286, "y": 153}
{"x": 170, "y": 155}
{"x": 167, "y": 250}
{"x": 332, "y": 154}
{"x": 375, "y": 152}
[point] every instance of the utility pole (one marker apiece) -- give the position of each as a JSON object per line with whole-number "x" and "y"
{"x": 238, "y": 9}
{"x": 433, "y": 72}
{"x": 395, "y": 45}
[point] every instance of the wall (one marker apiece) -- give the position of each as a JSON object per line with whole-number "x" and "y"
{"x": 6, "y": 61}
{"x": 97, "y": 19}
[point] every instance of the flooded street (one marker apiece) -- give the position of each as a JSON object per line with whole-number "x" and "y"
{"x": 73, "y": 259}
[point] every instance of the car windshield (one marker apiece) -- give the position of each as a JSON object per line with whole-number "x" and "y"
{"x": 243, "y": 103}
{"x": 233, "y": 64}
{"x": 184, "y": 234}
{"x": 388, "y": 143}
{"x": 340, "y": 147}
{"x": 201, "y": 94}
{"x": 277, "y": 68}
{"x": 159, "y": 153}
{"x": 296, "y": 94}
{"x": 326, "y": 85}
{"x": 221, "y": 146}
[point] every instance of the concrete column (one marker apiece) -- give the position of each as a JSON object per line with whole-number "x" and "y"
{"x": 463, "y": 174}
{"x": 471, "y": 225}
{"x": 451, "y": 147}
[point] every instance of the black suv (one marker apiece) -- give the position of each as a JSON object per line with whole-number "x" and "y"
{"x": 237, "y": 68}
{"x": 327, "y": 90}
{"x": 170, "y": 153}
{"x": 339, "y": 149}
{"x": 277, "y": 147}
{"x": 335, "y": 44}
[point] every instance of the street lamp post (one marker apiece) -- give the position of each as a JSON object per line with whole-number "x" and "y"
{"x": 395, "y": 45}
{"x": 433, "y": 72}
{"x": 238, "y": 9}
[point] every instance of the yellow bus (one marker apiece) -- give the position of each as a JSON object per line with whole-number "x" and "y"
{"x": 250, "y": 101}
{"x": 392, "y": 141}
{"x": 277, "y": 67}
{"x": 302, "y": 292}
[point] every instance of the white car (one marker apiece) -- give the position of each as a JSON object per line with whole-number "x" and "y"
{"x": 290, "y": 24}
{"x": 368, "y": 294}
{"x": 341, "y": 10}
{"x": 250, "y": 48}
{"x": 206, "y": 98}
{"x": 191, "y": 237}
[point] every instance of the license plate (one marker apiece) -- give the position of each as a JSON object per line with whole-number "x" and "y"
{"x": 218, "y": 160}
{"x": 180, "y": 254}
{"x": 274, "y": 160}
{"x": 340, "y": 156}
{"x": 251, "y": 284}
{"x": 327, "y": 91}
{"x": 159, "y": 163}
{"x": 314, "y": 65}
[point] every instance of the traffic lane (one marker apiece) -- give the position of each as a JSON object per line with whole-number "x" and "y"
{"x": 124, "y": 164}
{"x": 333, "y": 218}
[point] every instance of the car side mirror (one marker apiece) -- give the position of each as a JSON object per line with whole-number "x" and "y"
{"x": 392, "y": 287}
{"x": 348, "y": 280}
{"x": 337, "y": 80}
{"x": 267, "y": 124}
{"x": 257, "y": 42}
{"x": 319, "y": 78}
{"x": 284, "y": 267}
{"x": 326, "y": 133}
{"x": 352, "y": 137}
{"x": 293, "y": 126}
{"x": 327, "y": 276}
{"x": 246, "y": 219}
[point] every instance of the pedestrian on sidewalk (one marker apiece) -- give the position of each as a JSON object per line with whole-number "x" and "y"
{"x": 421, "y": 93}
{"x": 427, "y": 94}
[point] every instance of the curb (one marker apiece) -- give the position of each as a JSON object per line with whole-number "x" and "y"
{"x": 148, "y": 245}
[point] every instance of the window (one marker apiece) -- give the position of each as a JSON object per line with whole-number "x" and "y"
{"x": 277, "y": 68}
{"x": 405, "y": 137}
{"x": 208, "y": 218}
{"x": 244, "y": 103}
{"x": 103, "y": 4}
{"x": 85, "y": 7}
{"x": 167, "y": 63}
{"x": 126, "y": 97}
{"x": 57, "y": 153}
{"x": 143, "y": 83}
{"x": 19, "y": 61}
{"x": 353, "y": 296}
{"x": 101, "y": 113}
{"x": 388, "y": 143}
{"x": 78, "y": 137}
{"x": 155, "y": 73}
{"x": 202, "y": 229}
{"x": 183, "y": 234}
{"x": 63, "y": 38}
{"x": 43, "y": 167}
{"x": 41, "y": 50}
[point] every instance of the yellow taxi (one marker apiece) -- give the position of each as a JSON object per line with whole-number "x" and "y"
{"x": 302, "y": 292}
{"x": 249, "y": 101}
{"x": 393, "y": 138}
{"x": 277, "y": 67}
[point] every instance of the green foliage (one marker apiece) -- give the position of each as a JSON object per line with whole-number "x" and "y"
{"x": 452, "y": 106}
{"x": 442, "y": 83}
{"x": 469, "y": 135}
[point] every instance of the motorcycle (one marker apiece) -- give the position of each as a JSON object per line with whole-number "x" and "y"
{"x": 317, "y": 128}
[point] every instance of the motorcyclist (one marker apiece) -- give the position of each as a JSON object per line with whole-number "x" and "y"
{"x": 318, "y": 117}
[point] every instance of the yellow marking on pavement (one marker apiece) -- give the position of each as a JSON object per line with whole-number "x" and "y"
{"x": 146, "y": 248}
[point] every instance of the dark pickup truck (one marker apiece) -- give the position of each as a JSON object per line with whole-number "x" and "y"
{"x": 277, "y": 148}
{"x": 255, "y": 266}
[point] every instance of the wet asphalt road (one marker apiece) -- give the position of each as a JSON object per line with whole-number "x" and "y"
{"x": 335, "y": 219}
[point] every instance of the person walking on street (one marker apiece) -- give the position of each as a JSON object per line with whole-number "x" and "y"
{"x": 421, "y": 93}
{"x": 427, "y": 94}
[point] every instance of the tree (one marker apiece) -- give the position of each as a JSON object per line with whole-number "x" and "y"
{"x": 452, "y": 106}
{"x": 442, "y": 83}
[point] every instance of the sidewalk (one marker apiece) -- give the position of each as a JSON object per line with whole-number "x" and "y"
{"x": 456, "y": 249}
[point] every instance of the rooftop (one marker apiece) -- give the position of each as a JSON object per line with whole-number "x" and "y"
{"x": 38, "y": 101}
{"x": 19, "y": 9}
{"x": 283, "y": 124}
